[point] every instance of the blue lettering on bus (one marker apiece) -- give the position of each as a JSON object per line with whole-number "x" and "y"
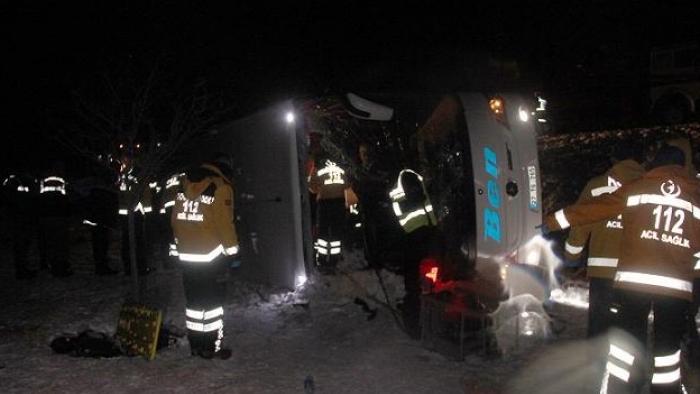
{"x": 493, "y": 194}
{"x": 492, "y": 225}
{"x": 491, "y": 162}
{"x": 492, "y": 218}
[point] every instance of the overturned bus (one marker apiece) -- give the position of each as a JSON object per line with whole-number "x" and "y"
{"x": 475, "y": 152}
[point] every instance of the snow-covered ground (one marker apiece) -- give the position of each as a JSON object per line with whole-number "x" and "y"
{"x": 278, "y": 338}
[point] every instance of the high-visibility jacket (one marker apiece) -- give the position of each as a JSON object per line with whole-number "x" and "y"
{"x": 660, "y": 245}
{"x": 172, "y": 187}
{"x": 603, "y": 237}
{"x": 202, "y": 218}
{"x": 53, "y": 198}
{"x": 52, "y": 184}
{"x": 411, "y": 203}
{"x": 127, "y": 183}
{"x": 328, "y": 182}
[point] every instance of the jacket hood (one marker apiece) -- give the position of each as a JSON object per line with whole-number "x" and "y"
{"x": 194, "y": 189}
{"x": 626, "y": 170}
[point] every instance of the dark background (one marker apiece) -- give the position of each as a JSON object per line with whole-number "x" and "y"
{"x": 580, "y": 53}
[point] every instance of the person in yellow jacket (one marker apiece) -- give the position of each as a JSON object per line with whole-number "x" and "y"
{"x": 602, "y": 239}
{"x": 659, "y": 260}
{"x": 330, "y": 184}
{"x": 206, "y": 240}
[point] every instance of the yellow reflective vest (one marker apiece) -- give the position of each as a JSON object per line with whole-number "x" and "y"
{"x": 411, "y": 203}
{"x": 202, "y": 218}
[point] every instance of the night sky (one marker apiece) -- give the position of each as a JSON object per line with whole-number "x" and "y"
{"x": 263, "y": 51}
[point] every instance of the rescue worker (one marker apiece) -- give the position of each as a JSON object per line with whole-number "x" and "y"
{"x": 55, "y": 215}
{"x": 602, "y": 238}
{"x": 371, "y": 184}
{"x": 141, "y": 206}
{"x": 20, "y": 194}
{"x": 658, "y": 260}
{"x": 102, "y": 202}
{"x": 206, "y": 241}
{"x": 168, "y": 196}
{"x": 692, "y": 341}
{"x": 329, "y": 183}
{"x": 414, "y": 212}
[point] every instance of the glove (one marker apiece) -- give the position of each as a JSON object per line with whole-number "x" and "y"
{"x": 544, "y": 229}
{"x": 235, "y": 261}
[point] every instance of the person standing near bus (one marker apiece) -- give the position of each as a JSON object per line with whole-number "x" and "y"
{"x": 206, "y": 240}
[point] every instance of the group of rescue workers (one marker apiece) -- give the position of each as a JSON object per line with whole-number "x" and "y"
{"x": 637, "y": 226}
{"x": 45, "y": 209}
{"x": 39, "y": 209}
{"x": 636, "y": 229}
{"x": 395, "y": 215}
{"x": 196, "y": 208}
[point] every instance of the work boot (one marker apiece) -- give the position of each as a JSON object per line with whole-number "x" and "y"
{"x": 222, "y": 354}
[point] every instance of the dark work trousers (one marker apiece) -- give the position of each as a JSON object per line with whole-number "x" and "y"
{"x": 55, "y": 243}
{"x": 203, "y": 292}
{"x": 24, "y": 229}
{"x": 141, "y": 249}
{"x": 633, "y": 309}
{"x": 331, "y": 227}
{"x": 599, "y": 298}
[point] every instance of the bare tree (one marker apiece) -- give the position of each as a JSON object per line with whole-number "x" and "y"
{"x": 125, "y": 120}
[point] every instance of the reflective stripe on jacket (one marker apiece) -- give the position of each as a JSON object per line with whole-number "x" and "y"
{"x": 603, "y": 237}
{"x": 145, "y": 201}
{"x": 411, "y": 204}
{"x": 660, "y": 246}
{"x": 202, "y": 219}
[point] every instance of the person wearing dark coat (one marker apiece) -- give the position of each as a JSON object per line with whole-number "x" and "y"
{"x": 103, "y": 201}
{"x": 20, "y": 198}
{"x": 55, "y": 213}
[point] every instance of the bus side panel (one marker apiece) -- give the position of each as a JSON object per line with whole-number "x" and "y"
{"x": 501, "y": 156}
{"x": 268, "y": 196}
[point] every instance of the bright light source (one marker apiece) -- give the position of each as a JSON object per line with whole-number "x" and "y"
{"x": 496, "y": 105}
{"x": 301, "y": 280}
{"x": 523, "y": 114}
{"x": 290, "y": 117}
